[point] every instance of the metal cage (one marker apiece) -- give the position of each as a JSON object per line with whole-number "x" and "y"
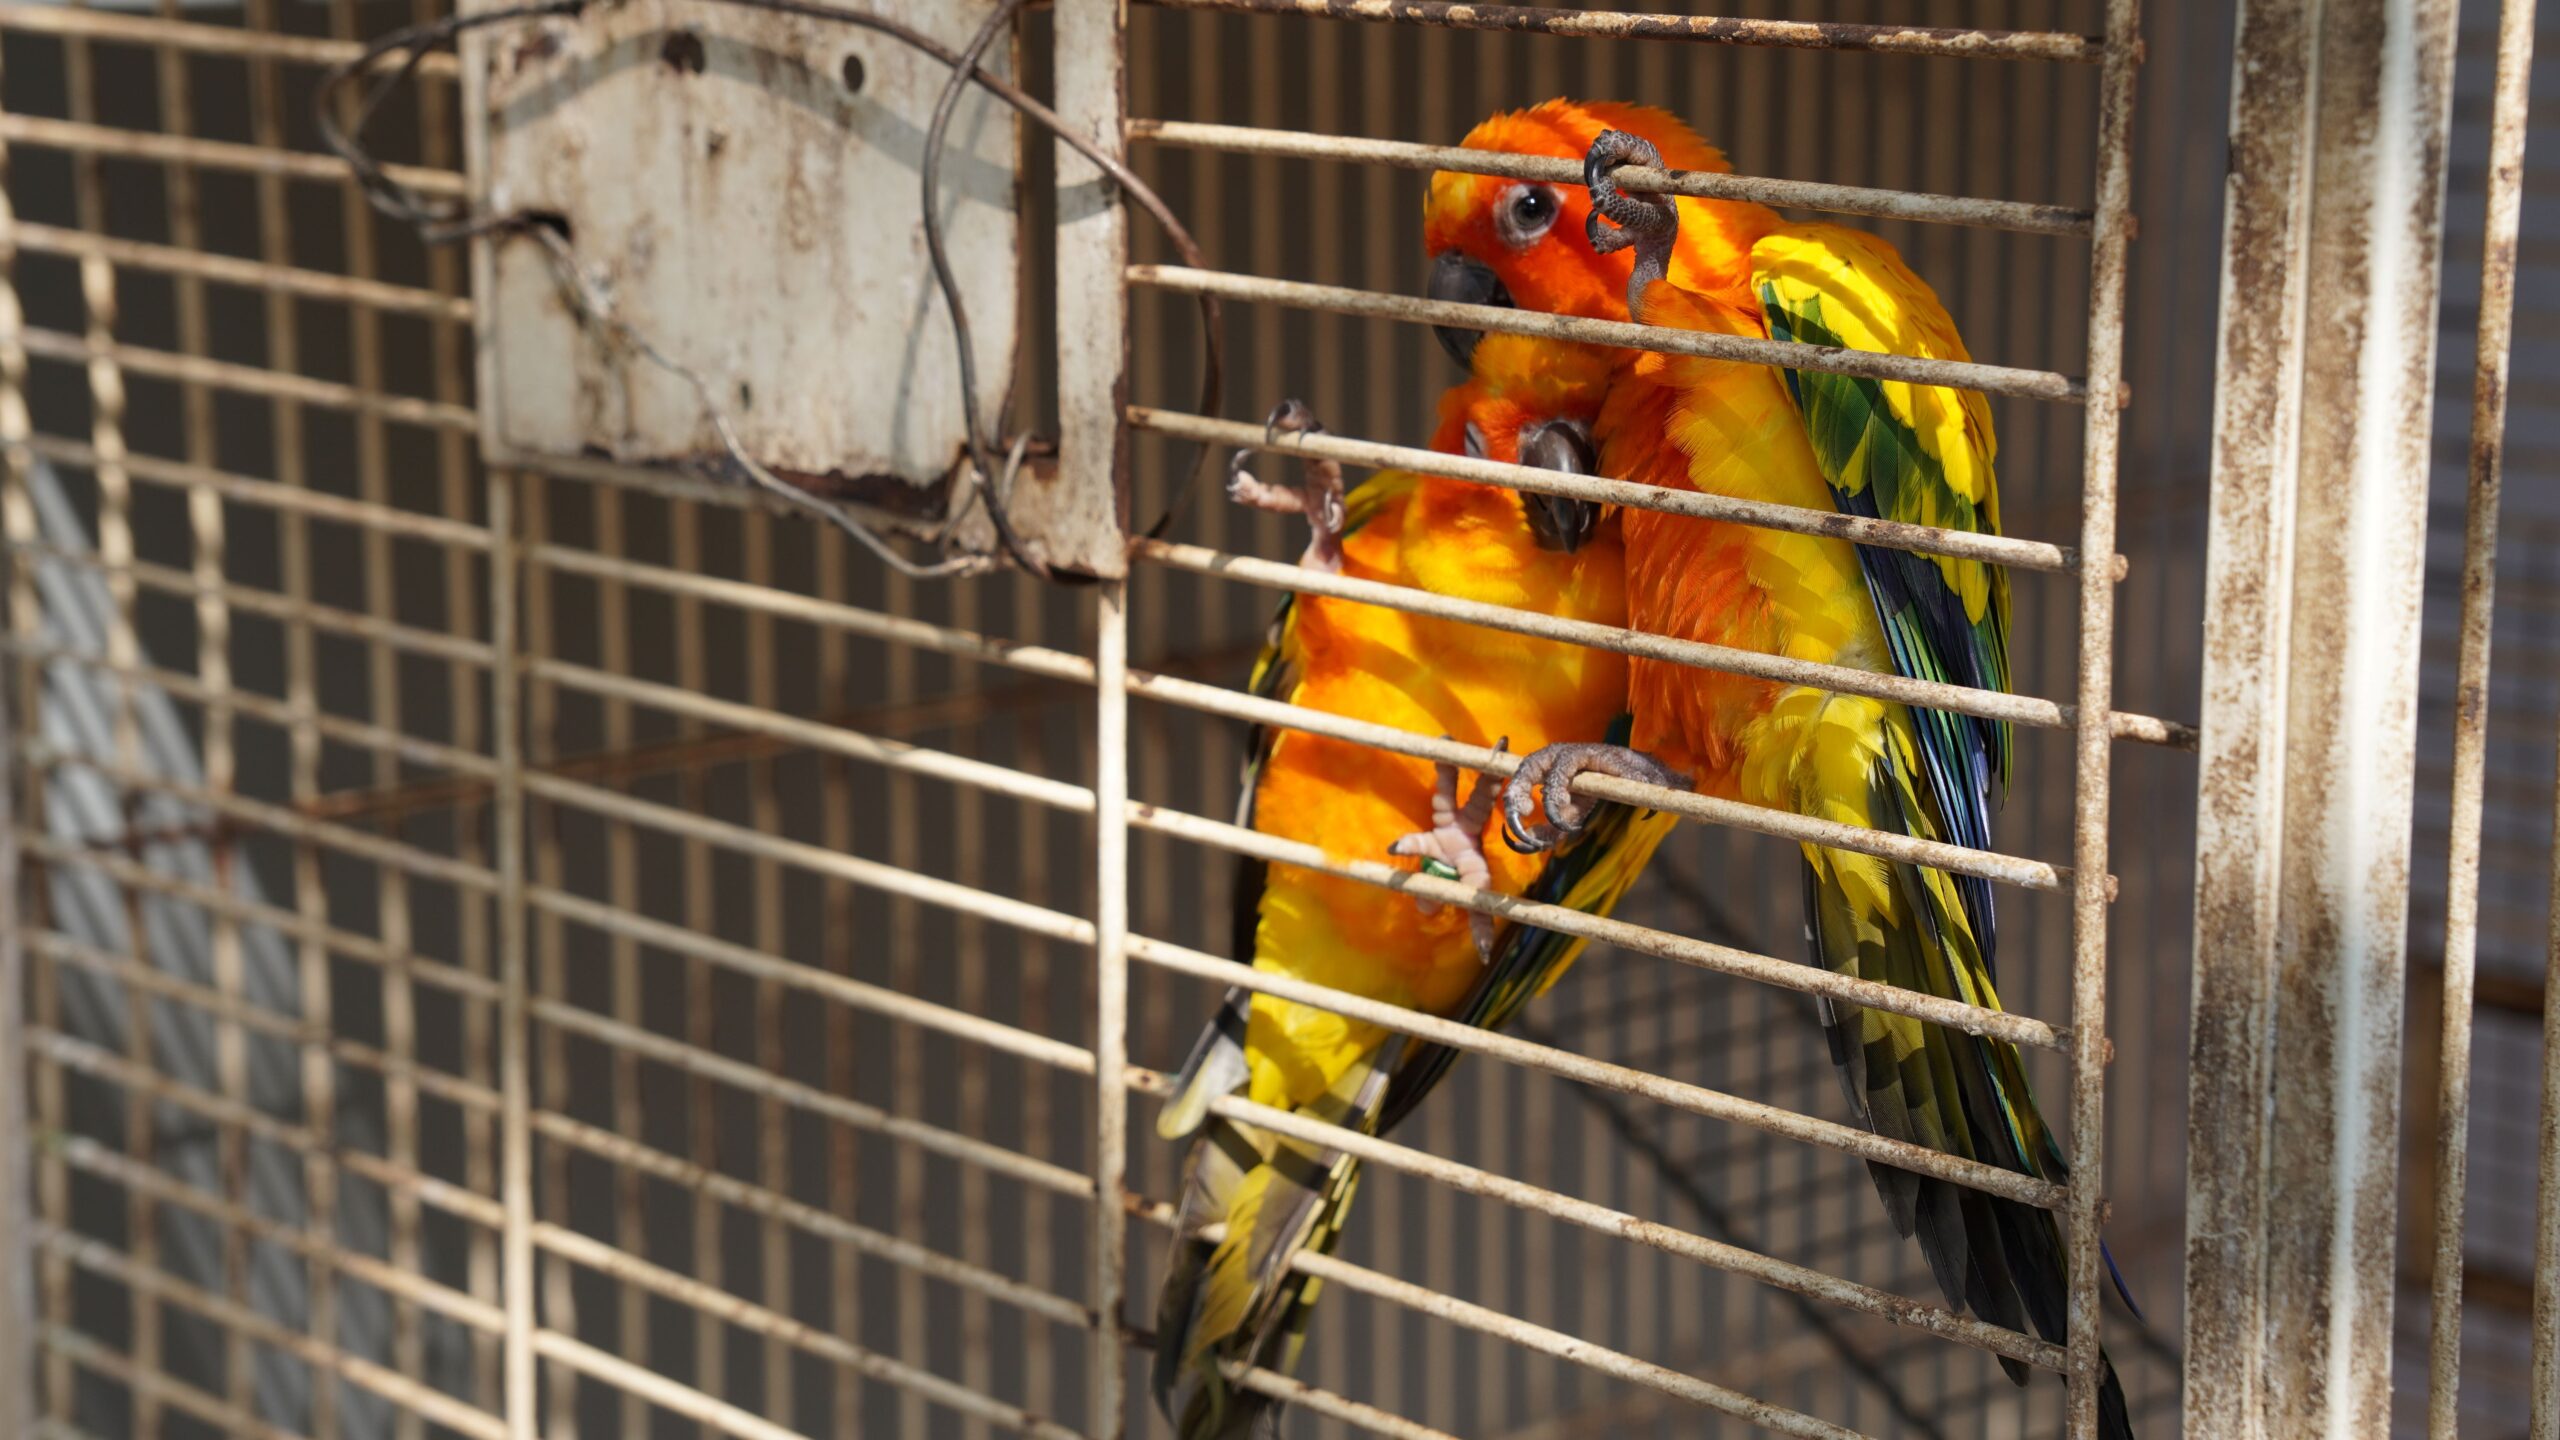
{"x": 567, "y": 948}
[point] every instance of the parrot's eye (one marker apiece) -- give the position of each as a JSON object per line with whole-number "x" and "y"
{"x": 1527, "y": 213}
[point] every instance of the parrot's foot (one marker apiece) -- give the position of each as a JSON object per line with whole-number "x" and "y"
{"x": 1319, "y": 499}
{"x": 1453, "y": 848}
{"x": 1555, "y": 768}
{"x": 1648, "y": 222}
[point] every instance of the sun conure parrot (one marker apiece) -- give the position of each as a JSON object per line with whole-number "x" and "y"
{"x": 1529, "y": 402}
{"x": 1824, "y": 441}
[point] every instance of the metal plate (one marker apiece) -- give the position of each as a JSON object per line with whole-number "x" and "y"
{"x": 745, "y": 188}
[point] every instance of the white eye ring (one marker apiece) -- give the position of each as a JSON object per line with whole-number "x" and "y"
{"x": 1526, "y": 213}
{"x": 1475, "y": 442}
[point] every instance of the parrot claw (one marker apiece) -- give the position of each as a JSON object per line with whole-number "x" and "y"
{"x": 1453, "y": 848}
{"x": 1320, "y": 499}
{"x": 1648, "y": 222}
{"x": 1555, "y": 767}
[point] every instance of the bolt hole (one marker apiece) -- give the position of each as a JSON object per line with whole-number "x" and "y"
{"x": 853, "y": 75}
{"x": 683, "y": 52}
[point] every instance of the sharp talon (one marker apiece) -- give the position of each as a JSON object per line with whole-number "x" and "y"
{"x": 1649, "y": 222}
{"x": 1320, "y": 499}
{"x": 1553, "y": 769}
{"x": 1292, "y": 417}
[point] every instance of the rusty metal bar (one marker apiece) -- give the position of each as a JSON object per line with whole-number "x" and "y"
{"x": 1634, "y": 495}
{"x": 2025, "y": 710}
{"x": 232, "y": 270}
{"x": 186, "y": 35}
{"x": 136, "y": 875}
{"x": 2014, "y": 215}
{"x": 746, "y": 1315}
{"x": 81, "y": 138}
{"x": 1036, "y": 920}
{"x": 515, "y": 1020}
{"x": 704, "y": 1064}
{"x": 281, "y": 385}
{"x": 1973, "y": 1019}
{"x": 2543, "y": 1378}
{"x": 818, "y": 1222}
{"x": 313, "y": 1037}
{"x": 2493, "y": 343}
{"x": 154, "y": 1384}
{"x": 91, "y": 1157}
{"x": 1058, "y": 664}
{"x": 1696, "y": 1100}
{"x": 825, "y": 984}
{"x": 1706, "y": 29}
{"x": 399, "y": 1389}
{"x": 169, "y": 580}
{"x": 1619, "y": 334}
{"x": 1290, "y": 1390}
{"x": 283, "y": 713}
{"x": 2093, "y": 738}
{"x": 1091, "y": 44}
{"x": 19, "y": 1317}
{"x": 278, "y": 818}
{"x": 2338, "y": 140}
{"x": 287, "y": 499}
{"x": 2017, "y": 1029}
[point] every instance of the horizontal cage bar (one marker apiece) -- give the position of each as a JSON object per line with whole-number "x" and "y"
{"x": 247, "y": 379}
{"x": 1618, "y": 334}
{"x": 2017, "y": 215}
{"x": 232, "y": 40}
{"x": 39, "y": 239}
{"x": 86, "y": 139}
{"x": 1634, "y": 495}
{"x": 291, "y": 924}
{"x": 1972, "y": 1019}
{"x": 1704, "y": 29}
{"x": 271, "y": 494}
{"x": 772, "y": 1324}
{"x": 412, "y": 1395}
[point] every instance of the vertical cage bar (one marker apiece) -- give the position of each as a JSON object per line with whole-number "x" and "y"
{"x": 45, "y": 1291}
{"x": 17, "y": 1136}
{"x": 539, "y": 716}
{"x": 115, "y": 551}
{"x": 844, "y": 1146}
{"x": 1111, "y": 1001}
{"x": 2339, "y": 125}
{"x": 2542, "y": 1388}
{"x": 2094, "y": 739}
{"x": 2505, "y": 184}
{"x": 515, "y": 1080}
{"x": 1093, "y": 335}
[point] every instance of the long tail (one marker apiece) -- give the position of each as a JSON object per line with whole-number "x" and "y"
{"x": 1967, "y": 1095}
{"x": 1251, "y": 1201}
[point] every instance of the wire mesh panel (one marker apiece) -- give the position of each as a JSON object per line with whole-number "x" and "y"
{"x": 580, "y": 951}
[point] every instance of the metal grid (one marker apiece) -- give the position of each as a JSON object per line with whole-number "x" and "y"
{"x": 486, "y": 1039}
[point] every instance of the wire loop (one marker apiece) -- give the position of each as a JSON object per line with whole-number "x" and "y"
{"x": 442, "y": 222}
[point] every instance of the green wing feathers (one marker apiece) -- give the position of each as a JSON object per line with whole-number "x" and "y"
{"x": 1953, "y": 1092}
{"x": 1911, "y": 453}
{"x": 1251, "y": 1202}
{"x": 1236, "y": 1297}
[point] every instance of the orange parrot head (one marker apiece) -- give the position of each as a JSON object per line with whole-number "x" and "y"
{"x": 1531, "y": 401}
{"x": 1498, "y": 241}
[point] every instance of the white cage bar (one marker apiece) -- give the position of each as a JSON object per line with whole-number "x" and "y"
{"x": 489, "y": 907}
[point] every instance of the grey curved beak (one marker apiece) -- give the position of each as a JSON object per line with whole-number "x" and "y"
{"x": 1559, "y": 522}
{"x": 1454, "y": 277}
